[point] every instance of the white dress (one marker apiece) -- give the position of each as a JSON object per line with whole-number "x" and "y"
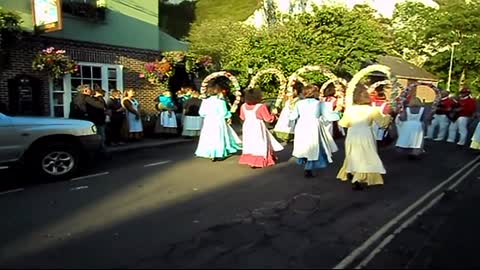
{"x": 134, "y": 125}
{"x": 310, "y": 134}
{"x": 410, "y": 133}
{"x": 360, "y": 146}
{"x": 217, "y": 139}
{"x": 252, "y": 127}
{"x": 284, "y": 124}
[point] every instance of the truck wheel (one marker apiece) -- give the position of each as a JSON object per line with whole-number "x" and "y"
{"x": 56, "y": 160}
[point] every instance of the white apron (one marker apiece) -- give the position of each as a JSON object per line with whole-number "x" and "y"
{"x": 410, "y": 134}
{"x": 168, "y": 119}
{"x": 284, "y": 124}
{"x": 252, "y": 128}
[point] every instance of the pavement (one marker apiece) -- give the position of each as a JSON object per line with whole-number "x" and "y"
{"x": 160, "y": 207}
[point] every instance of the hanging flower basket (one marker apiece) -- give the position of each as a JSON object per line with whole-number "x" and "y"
{"x": 55, "y": 62}
{"x": 196, "y": 63}
{"x": 157, "y": 72}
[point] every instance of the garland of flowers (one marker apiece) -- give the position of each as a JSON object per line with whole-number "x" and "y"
{"x": 338, "y": 91}
{"x": 295, "y": 77}
{"x": 236, "y": 86}
{"x": 396, "y": 86}
{"x": 405, "y": 95}
{"x": 281, "y": 78}
{"x": 374, "y": 86}
{"x": 55, "y": 62}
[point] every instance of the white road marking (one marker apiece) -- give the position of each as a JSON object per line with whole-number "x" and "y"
{"x": 157, "y": 163}
{"x": 385, "y": 228}
{"x": 407, "y": 223}
{"x": 12, "y": 191}
{"x": 460, "y": 180}
{"x": 78, "y": 188}
{"x": 89, "y": 176}
{"x": 4, "y": 167}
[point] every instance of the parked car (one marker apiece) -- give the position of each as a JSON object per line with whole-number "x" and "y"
{"x": 51, "y": 147}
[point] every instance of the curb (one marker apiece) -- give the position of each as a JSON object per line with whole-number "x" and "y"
{"x": 140, "y": 145}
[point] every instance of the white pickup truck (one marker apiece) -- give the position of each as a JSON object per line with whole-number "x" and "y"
{"x": 51, "y": 147}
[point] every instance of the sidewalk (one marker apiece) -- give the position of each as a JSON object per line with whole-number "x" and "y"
{"x": 147, "y": 143}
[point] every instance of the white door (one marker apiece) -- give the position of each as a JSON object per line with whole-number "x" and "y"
{"x": 106, "y": 76}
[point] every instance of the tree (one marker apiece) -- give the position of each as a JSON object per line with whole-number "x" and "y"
{"x": 458, "y": 22}
{"x": 333, "y": 36}
{"x": 409, "y": 28}
{"x": 10, "y": 32}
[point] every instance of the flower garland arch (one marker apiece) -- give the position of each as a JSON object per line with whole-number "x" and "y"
{"x": 282, "y": 79}
{"x": 404, "y": 96}
{"x": 295, "y": 77}
{"x": 396, "y": 86}
{"x": 233, "y": 79}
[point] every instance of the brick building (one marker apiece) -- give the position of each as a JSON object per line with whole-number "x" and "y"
{"x": 110, "y": 52}
{"x": 408, "y": 73}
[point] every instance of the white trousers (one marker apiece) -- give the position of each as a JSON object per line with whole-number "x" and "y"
{"x": 461, "y": 125}
{"x": 441, "y": 121}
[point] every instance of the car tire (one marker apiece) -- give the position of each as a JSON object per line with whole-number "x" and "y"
{"x": 55, "y": 161}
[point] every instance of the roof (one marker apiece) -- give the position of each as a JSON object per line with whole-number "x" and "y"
{"x": 405, "y": 70}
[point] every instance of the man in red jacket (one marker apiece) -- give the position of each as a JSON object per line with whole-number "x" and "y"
{"x": 465, "y": 112}
{"x": 440, "y": 118}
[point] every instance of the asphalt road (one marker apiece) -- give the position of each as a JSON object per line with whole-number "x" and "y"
{"x": 131, "y": 208}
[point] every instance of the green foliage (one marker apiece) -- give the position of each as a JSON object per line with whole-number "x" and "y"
{"x": 217, "y": 37}
{"x": 9, "y": 28}
{"x": 176, "y": 19}
{"x": 410, "y": 28}
{"x": 335, "y": 37}
{"x": 207, "y": 10}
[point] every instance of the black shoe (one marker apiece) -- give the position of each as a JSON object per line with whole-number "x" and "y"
{"x": 308, "y": 174}
{"x": 357, "y": 186}
{"x": 213, "y": 159}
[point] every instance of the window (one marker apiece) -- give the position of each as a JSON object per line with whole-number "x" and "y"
{"x": 62, "y": 91}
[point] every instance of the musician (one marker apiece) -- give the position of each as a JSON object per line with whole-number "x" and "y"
{"x": 465, "y": 112}
{"x": 441, "y": 117}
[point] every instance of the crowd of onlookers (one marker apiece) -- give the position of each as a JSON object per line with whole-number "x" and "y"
{"x": 118, "y": 117}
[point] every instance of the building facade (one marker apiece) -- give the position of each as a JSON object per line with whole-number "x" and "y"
{"x": 111, "y": 41}
{"x": 407, "y": 73}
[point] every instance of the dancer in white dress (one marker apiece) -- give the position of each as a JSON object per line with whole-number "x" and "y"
{"x": 217, "y": 140}
{"x": 362, "y": 163}
{"x": 410, "y": 133}
{"x": 285, "y": 128}
{"x": 134, "y": 121}
{"x": 311, "y": 145}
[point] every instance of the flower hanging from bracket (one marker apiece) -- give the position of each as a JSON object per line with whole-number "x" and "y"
{"x": 55, "y": 62}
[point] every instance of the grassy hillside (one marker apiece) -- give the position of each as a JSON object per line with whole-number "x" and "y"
{"x": 237, "y": 10}
{"x": 176, "y": 19}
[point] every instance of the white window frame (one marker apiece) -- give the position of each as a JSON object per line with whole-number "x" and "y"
{"x": 67, "y": 85}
